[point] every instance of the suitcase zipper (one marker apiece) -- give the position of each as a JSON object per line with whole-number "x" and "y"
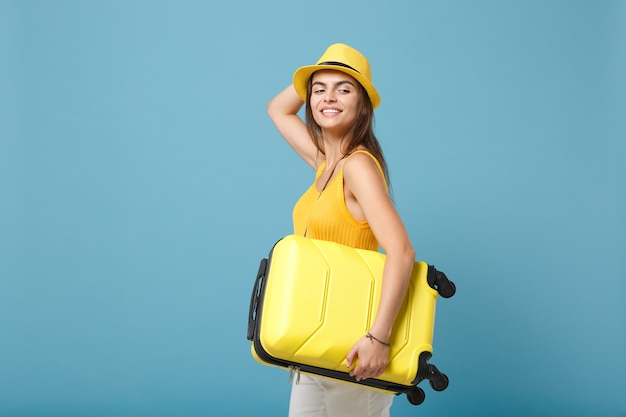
{"x": 294, "y": 369}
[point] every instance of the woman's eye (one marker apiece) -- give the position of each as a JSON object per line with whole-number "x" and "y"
{"x": 318, "y": 91}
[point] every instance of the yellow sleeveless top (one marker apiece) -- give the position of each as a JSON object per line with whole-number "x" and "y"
{"x": 325, "y": 215}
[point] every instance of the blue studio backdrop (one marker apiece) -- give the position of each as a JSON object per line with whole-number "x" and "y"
{"x": 141, "y": 182}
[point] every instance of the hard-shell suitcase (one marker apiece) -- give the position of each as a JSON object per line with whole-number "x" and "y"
{"x": 313, "y": 299}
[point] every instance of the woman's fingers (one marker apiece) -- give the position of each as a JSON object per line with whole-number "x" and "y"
{"x": 364, "y": 371}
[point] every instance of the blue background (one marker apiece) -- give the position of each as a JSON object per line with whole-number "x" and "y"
{"x": 141, "y": 182}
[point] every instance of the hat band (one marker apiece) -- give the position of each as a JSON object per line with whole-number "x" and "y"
{"x": 338, "y": 64}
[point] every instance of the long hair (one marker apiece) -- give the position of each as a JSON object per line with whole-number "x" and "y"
{"x": 361, "y": 132}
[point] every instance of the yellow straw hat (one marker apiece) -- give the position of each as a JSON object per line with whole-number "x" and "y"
{"x": 343, "y": 58}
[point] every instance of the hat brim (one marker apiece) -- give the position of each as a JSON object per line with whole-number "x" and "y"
{"x": 302, "y": 74}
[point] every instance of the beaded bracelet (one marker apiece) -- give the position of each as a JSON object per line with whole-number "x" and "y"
{"x": 372, "y": 337}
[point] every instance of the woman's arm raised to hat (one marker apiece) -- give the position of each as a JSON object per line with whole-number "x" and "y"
{"x": 283, "y": 110}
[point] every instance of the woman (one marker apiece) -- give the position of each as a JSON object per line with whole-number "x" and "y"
{"x": 348, "y": 203}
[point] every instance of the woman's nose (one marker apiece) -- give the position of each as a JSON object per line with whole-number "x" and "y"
{"x": 329, "y": 97}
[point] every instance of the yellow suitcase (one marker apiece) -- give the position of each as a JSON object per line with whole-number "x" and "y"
{"x": 313, "y": 299}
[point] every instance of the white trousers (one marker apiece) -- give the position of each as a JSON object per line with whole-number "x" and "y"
{"x": 316, "y": 396}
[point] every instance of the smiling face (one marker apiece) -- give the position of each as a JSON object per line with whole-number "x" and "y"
{"x": 335, "y": 101}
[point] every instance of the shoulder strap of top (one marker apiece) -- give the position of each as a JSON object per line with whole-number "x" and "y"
{"x": 380, "y": 169}
{"x": 320, "y": 169}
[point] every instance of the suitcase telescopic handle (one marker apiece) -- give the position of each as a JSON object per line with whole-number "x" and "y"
{"x": 254, "y": 299}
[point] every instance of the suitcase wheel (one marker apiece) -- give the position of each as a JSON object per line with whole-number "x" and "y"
{"x": 440, "y": 282}
{"x": 416, "y": 395}
{"x": 447, "y": 289}
{"x": 439, "y": 382}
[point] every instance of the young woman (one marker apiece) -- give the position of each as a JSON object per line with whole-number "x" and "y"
{"x": 348, "y": 203}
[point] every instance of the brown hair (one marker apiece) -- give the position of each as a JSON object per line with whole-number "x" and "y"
{"x": 361, "y": 133}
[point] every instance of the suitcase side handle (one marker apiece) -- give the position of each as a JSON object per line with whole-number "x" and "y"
{"x": 254, "y": 299}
